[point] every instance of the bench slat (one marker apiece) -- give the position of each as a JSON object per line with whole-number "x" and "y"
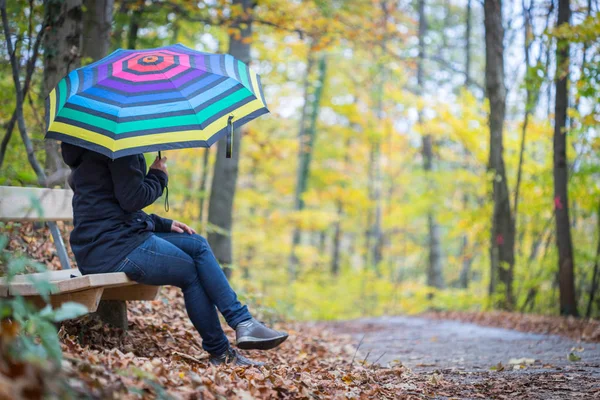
{"x": 19, "y": 204}
{"x": 63, "y": 281}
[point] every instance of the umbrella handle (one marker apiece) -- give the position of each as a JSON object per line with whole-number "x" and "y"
{"x": 229, "y": 137}
{"x": 166, "y": 189}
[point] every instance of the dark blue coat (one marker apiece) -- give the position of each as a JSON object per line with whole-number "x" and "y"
{"x": 107, "y": 206}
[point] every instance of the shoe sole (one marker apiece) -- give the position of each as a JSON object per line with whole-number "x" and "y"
{"x": 252, "y": 343}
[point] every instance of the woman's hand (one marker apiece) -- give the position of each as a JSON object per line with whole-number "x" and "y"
{"x": 180, "y": 227}
{"x": 160, "y": 164}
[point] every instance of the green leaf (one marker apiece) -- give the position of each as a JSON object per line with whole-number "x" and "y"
{"x": 3, "y": 242}
{"x": 69, "y": 310}
{"x": 574, "y": 357}
{"x": 43, "y": 286}
{"x": 49, "y": 337}
{"x": 5, "y": 309}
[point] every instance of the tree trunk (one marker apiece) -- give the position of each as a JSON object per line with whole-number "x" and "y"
{"x": 467, "y": 259}
{"x": 120, "y": 21}
{"x": 337, "y": 238}
{"x": 97, "y": 24}
{"x": 62, "y": 54}
{"x": 134, "y": 25}
{"x": 435, "y": 276}
{"x": 29, "y": 70}
{"x": 468, "y": 45}
{"x": 337, "y": 230}
{"x": 467, "y": 262}
{"x": 225, "y": 173}
{"x": 307, "y": 136}
{"x": 503, "y": 230}
{"x": 568, "y": 303}
{"x": 19, "y": 98}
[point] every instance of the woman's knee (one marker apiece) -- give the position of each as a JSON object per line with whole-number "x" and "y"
{"x": 200, "y": 239}
{"x": 200, "y": 243}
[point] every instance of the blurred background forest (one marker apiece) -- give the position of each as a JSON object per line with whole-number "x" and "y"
{"x": 382, "y": 181}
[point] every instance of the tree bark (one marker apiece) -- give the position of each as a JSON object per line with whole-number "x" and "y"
{"x": 307, "y": 137}
{"x": 97, "y": 24}
{"x": 337, "y": 238}
{"x": 298, "y": 203}
{"x": 19, "y": 99}
{"x": 26, "y": 85}
{"x": 468, "y": 46}
{"x": 225, "y": 173}
{"x": 134, "y": 25}
{"x": 62, "y": 54}
{"x": 503, "y": 229}
{"x": 435, "y": 276}
{"x": 337, "y": 230}
{"x": 568, "y": 303}
{"x": 467, "y": 259}
{"x": 120, "y": 21}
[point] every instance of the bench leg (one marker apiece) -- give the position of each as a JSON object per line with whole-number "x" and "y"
{"x": 60, "y": 245}
{"x": 113, "y": 312}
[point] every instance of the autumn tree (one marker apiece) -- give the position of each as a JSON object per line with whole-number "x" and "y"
{"x": 220, "y": 208}
{"x": 435, "y": 276}
{"x": 62, "y": 54}
{"x": 97, "y": 25}
{"x": 503, "y": 227}
{"x": 568, "y": 303}
{"x": 313, "y": 90}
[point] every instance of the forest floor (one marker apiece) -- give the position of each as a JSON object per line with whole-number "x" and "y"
{"x": 385, "y": 357}
{"x": 375, "y": 358}
{"x": 443, "y": 355}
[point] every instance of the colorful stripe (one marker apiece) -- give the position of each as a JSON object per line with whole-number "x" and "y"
{"x": 172, "y": 97}
{"x": 66, "y": 131}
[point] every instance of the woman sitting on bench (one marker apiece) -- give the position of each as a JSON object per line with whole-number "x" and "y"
{"x": 112, "y": 234}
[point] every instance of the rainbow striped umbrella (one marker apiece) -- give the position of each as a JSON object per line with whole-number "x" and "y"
{"x": 137, "y": 101}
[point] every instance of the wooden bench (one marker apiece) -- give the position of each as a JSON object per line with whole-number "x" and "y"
{"x": 102, "y": 293}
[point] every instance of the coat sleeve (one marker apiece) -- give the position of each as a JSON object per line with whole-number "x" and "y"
{"x": 134, "y": 189}
{"x": 161, "y": 224}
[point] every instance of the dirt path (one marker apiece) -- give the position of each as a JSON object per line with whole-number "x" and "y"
{"x": 481, "y": 362}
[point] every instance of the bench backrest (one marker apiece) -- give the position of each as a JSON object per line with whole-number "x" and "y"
{"x": 35, "y": 204}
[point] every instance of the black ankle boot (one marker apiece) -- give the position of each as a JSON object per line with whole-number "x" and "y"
{"x": 253, "y": 335}
{"x": 231, "y": 356}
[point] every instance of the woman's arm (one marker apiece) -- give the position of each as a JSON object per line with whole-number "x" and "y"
{"x": 161, "y": 224}
{"x": 134, "y": 189}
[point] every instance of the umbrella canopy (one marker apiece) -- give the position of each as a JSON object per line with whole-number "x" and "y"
{"x": 137, "y": 101}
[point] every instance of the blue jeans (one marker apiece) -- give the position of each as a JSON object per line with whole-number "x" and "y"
{"x": 187, "y": 261}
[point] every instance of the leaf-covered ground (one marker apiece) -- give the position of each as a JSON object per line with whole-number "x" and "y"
{"x": 160, "y": 356}
{"x": 161, "y": 347}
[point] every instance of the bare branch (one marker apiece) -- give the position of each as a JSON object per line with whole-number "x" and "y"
{"x": 28, "y": 76}
{"x": 19, "y": 109}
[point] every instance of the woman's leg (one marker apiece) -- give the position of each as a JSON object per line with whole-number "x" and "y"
{"x": 158, "y": 262}
{"x": 211, "y": 275}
